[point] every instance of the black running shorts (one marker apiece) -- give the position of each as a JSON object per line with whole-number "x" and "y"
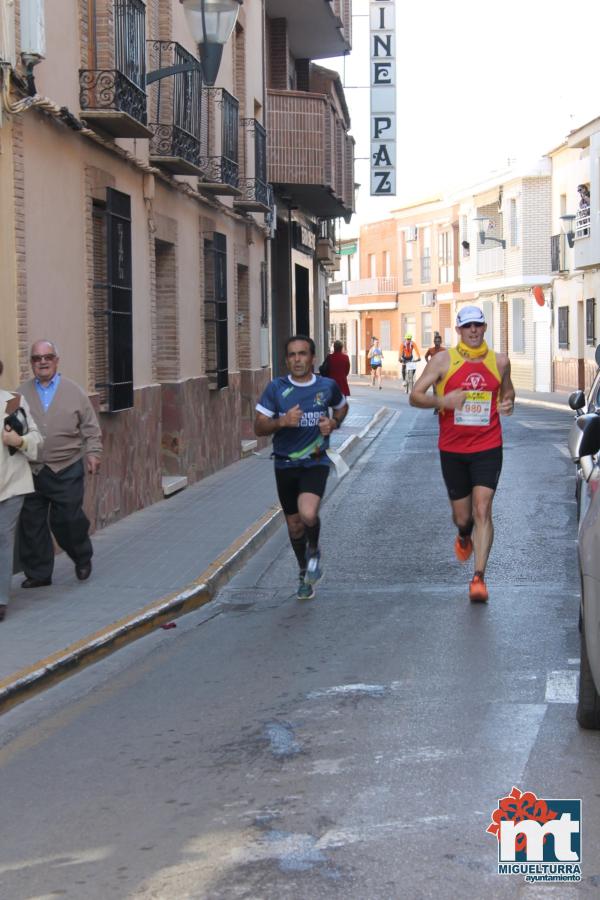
{"x": 296, "y": 480}
{"x": 463, "y": 471}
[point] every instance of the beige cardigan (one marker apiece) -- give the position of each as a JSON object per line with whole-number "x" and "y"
{"x": 15, "y": 471}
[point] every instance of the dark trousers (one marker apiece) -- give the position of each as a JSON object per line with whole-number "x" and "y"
{"x": 56, "y": 505}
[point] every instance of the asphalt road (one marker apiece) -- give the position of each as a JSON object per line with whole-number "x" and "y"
{"x": 351, "y": 747}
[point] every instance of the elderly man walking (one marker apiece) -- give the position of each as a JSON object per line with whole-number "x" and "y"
{"x": 71, "y": 432}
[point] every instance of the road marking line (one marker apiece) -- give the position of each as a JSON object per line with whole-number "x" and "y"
{"x": 563, "y": 449}
{"x": 561, "y": 686}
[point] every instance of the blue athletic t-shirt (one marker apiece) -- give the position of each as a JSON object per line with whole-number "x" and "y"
{"x": 305, "y": 445}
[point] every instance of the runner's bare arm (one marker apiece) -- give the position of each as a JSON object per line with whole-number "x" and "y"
{"x": 506, "y": 402}
{"x": 265, "y": 426}
{"x": 434, "y": 371}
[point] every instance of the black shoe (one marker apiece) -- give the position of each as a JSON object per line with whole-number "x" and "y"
{"x": 2, "y": 611}
{"x": 36, "y": 582}
{"x": 84, "y": 571}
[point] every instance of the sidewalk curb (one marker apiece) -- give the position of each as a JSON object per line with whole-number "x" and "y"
{"x": 77, "y": 656}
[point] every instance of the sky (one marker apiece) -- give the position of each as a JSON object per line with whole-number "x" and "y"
{"x": 478, "y": 83}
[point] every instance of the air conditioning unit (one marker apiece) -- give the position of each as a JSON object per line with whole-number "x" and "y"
{"x": 427, "y": 298}
{"x": 411, "y": 233}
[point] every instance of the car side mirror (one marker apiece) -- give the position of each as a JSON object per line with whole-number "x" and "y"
{"x": 590, "y": 440}
{"x": 577, "y": 400}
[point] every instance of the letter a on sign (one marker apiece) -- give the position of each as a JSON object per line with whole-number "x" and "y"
{"x": 382, "y": 16}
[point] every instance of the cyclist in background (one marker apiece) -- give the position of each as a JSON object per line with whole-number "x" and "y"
{"x": 408, "y": 351}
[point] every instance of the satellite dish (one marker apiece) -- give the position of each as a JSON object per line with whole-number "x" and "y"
{"x": 538, "y": 293}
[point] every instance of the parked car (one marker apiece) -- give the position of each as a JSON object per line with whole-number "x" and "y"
{"x": 582, "y": 406}
{"x": 588, "y": 706}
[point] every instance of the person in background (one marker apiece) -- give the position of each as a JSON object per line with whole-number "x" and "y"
{"x": 15, "y": 481}
{"x": 376, "y": 362}
{"x": 337, "y": 366}
{"x": 437, "y": 348}
{"x": 71, "y": 435}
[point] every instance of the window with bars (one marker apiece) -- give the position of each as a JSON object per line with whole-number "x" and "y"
{"x": 385, "y": 332}
{"x": 112, "y": 301}
{"x": 590, "y": 321}
{"x": 339, "y": 332}
{"x": 445, "y": 256}
{"x": 426, "y": 329}
{"x": 563, "y": 327}
{"x": 215, "y": 310}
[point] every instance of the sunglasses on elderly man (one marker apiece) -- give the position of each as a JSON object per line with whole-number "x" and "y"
{"x": 43, "y": 357}
{"x": 471, "y": 324}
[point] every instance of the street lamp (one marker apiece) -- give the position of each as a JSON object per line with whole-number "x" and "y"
{"x": 211, "y": 23}
{"x": 566, "y": 222}
{"x": 483, "y": 223}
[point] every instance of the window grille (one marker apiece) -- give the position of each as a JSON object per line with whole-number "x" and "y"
{"x": 590, "y": 321}
{"x": 563, "y": 327}
{"x": 113, "y": 326}
{"x": 215, "y": 309}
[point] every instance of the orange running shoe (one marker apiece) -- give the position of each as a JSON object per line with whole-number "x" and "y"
{"x": 478, "y": 592}
{"x": 463, "y": 547}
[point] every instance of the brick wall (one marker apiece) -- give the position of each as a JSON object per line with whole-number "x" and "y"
{"x": 20, "y": 248}
{"x": 244, "y": 352}
{"x": 167, "y": 313}
{"x": 278, "y": 54}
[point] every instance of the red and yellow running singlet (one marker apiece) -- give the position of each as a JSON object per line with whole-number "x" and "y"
{"x": 476, "y": 426}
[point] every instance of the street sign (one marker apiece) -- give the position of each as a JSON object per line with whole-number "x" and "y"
{"x": 382, "y": 14}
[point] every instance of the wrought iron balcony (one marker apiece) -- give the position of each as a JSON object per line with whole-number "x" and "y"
{"x": 219, "y": 169}
{"x": 109, "y": 100}
{"x": 175, "y": 110}
{"x": 112, "y": 94}
{"x": 310, "y": 153}
{"x": 255, "y": 190}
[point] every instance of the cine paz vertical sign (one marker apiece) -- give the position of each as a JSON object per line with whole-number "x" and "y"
{"x": 383, "y": 97}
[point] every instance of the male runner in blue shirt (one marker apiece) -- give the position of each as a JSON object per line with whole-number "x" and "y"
{"x": 294, "y": 409}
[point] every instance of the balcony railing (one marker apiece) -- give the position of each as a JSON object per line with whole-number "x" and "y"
{"x": 112, "y": 95}
{"x": 385, "y": 285}
{"x": 220, "y": 170}
{"x": 582, "y": 223}
{"x": 255, "y": 190}
{"x": 425, "y": 269}
{"x": 175, "y": 110}
{"x": 311, "y": 153}
{"x": 490, "y": 261}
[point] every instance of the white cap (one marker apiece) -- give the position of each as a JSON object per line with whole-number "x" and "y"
{"x": 469, "y": 314}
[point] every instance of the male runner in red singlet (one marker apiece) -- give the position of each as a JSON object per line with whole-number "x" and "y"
{"x": 473, "y": 387}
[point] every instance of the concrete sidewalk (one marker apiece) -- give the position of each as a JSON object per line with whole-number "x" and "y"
{"x": 154, "y": 565}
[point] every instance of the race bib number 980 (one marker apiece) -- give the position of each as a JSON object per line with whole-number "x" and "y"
{"x": 477, "y": 409}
